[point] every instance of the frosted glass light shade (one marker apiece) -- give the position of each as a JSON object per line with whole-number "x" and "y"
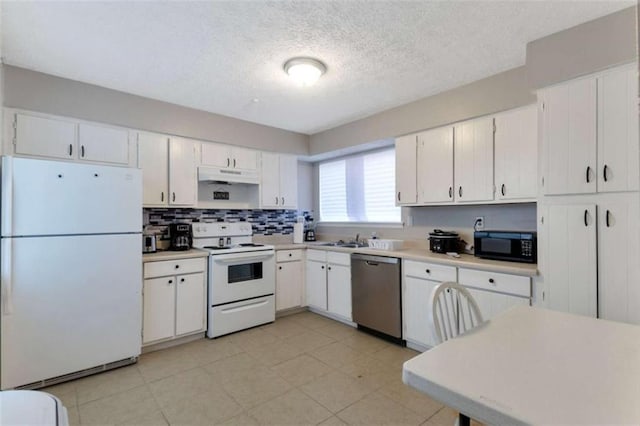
{"x": 304, "y": 71}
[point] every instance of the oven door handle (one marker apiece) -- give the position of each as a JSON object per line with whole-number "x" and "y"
{"x": 244, "y": 307}
{"x": 240, "y": 258}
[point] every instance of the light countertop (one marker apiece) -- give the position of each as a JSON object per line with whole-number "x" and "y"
{"x": 424, "y": 255}
{"x": 173, "y": 255}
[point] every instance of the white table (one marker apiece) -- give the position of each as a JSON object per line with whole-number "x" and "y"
{"x": 536, "y": 366}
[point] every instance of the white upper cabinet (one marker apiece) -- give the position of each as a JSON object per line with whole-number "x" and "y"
{"x": 279, "y": 181}
{"x": 227, "y": 156}
{"x": 569, "y": 137}
{"x": 182, "y": 172}
{"x": 103, "y": 144}
{"x": 473, "y": 153}
{"x": 516, "y": 154}
{"x": 406, "y": 185}
{"x": 57, "y": 138}
{"x": 45, "y": 137}
{"x": 153, "y": 154}
{"x": 618, "y": 130}
{"x": 435, "y": 166}
{"x": 168, "y": 170}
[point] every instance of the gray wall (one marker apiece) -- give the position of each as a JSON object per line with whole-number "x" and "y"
{"x": 502, "y": 91}
{"x": 59, "y": 96}
{"x": 586, "y": 48}
{"x": 583, "y": 49}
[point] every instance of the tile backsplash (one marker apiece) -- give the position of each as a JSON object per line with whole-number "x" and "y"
{"x": 263, "y": 222}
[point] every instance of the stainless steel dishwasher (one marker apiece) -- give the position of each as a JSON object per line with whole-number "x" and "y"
{"x": 375, "y": 294}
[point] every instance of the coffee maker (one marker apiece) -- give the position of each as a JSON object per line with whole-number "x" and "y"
{"x": 180, "y": 236}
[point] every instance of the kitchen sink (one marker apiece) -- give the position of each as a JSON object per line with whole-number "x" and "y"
{"x": 352, "y": 245}
{"x": 343, "y": 244}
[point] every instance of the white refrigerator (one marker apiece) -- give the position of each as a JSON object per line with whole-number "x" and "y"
{"x": 71, "y": 269}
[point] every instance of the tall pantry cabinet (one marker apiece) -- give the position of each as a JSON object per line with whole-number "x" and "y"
{"x": 589, "y": 208}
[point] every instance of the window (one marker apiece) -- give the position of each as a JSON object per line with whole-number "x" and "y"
{"x": 360, "y": 188}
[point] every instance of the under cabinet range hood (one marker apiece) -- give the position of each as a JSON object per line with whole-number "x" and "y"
{"x": 229, "y": 176}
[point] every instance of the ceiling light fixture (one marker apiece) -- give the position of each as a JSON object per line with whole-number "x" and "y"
{"x": 304, "y": 71}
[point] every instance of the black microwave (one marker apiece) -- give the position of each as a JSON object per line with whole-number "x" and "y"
{"x": 513, "y": 246}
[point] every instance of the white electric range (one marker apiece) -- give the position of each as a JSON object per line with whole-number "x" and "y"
{"x": 242, "y": 277}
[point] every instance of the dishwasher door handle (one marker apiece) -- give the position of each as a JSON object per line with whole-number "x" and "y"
{"x": 370, "y": 263}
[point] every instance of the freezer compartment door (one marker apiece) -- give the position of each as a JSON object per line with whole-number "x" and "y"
{"x": 41, "y": 197}
{"x": 76, "y": 304}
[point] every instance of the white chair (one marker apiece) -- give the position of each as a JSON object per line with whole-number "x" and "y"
{"x": 453, "y": 311}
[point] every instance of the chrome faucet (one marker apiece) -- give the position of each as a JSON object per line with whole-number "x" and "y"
{"x": 357, "y": 238}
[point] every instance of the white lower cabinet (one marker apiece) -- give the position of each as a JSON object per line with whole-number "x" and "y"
{"x": 495, "y": 292}
{"x": 571, "y": 259}
{"x": 174, "y": 305}
{"x": 591, "y": 252}
{"x": 289, "y": 279}
{"x": 328, "y": 282}
{"x": 420, "y": 278}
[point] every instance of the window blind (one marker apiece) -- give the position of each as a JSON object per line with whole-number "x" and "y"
{"x": 359, "y": 188}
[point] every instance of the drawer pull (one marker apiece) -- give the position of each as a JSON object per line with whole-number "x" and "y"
{"x": 428, "y": 271}
{"x": 177, "y": 266}
{"x": 290, "y": 254}
{"x": 491, "y": 280}
{"x": 170, "y": 281}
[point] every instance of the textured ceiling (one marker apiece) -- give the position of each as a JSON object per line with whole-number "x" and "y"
{"x": 220, "y": 56}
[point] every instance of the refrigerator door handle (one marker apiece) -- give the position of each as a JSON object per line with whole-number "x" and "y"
{"x": 7, "y": 277}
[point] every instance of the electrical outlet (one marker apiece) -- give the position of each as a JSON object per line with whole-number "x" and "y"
{"x": 478, "y": 225}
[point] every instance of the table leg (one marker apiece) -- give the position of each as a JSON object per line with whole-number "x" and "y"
{"x": 463, "y": 420}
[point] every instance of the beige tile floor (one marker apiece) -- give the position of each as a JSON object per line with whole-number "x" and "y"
{"x": 302, "y": 369}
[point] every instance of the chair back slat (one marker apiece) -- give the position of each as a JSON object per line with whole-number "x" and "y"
{"x": 453, "y": 311}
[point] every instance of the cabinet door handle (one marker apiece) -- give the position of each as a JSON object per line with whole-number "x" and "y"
{"x": 174, "y": 196}
{"x": 604, "y": 173}
{"x": 70, "y": 150}
{"x": 329, "y": 268}
{"x": 283, "y": 201}
{"x": 162, "y": 196}
{"x": 607, "y": 218}
{"x": 502, "y": 189}
{"x": 228, "y": 162}
{"x": 398, "y": 195}
{"x": 82, "y": 151}
{"x": 276, "y": 201}
{"x": 170, "y": 281}
{"x": 460, "y": 191}
{"x": 586, "y": 212}
{"x": 280, "y": 267}
{"x": 451, "y": 192}
{"x": 322, "y": 267}
{"x": 181, "y": 280}
{"x": 588, "y": 173}
{"x": 234, "y": 163}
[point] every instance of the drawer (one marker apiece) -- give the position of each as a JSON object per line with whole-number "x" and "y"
{"x": 288, "y": 255}
{"x": 429, "y": 271}
{"x": 317, "y": 255}
{"x": 494, "y": 281}
{"x": 175, "y": 267}
{"x": 339, "y": 258}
